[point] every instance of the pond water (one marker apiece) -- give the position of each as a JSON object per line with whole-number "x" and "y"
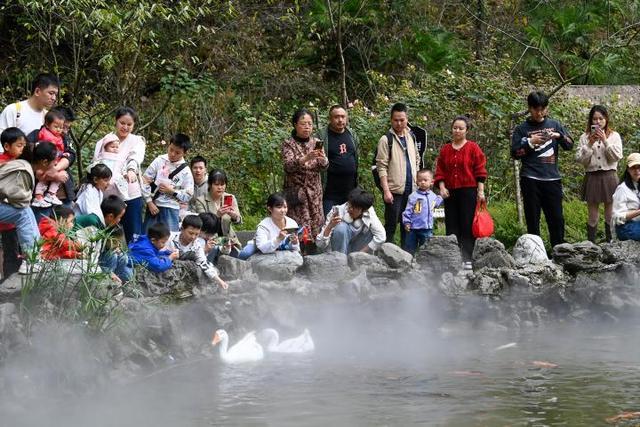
{"x": 379, "y": 372}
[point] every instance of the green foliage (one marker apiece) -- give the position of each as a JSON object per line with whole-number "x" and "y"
{"x": 72, "y": 289}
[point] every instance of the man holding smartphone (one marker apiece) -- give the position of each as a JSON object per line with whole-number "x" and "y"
{"x": 340, "y": 144}
{"x": 536, "y": 142}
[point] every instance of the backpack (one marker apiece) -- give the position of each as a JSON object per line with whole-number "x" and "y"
{"x": 374, "y": 167}
{"x": 16, "y": 183}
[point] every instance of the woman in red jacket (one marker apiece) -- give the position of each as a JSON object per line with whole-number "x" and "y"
{"x": 460, "y": 175}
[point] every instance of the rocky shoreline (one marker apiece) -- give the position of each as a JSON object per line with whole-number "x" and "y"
{"x": 521, "y": 289}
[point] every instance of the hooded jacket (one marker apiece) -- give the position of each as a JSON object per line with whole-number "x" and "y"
{"x": 56, "y": 244}
{"x": 142, "y": 251}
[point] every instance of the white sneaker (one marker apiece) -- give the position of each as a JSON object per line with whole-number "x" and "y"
{"x": 40, "y": 202}
{"x": 467, "y": 265}
{"x": 53, "y": 199}
{"x": 25, "y": 267}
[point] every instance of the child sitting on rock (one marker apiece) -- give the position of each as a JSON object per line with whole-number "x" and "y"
{"x": 187, "y": 244}
{"x": 149, "y": 250}
{"x": 277, "y": 232}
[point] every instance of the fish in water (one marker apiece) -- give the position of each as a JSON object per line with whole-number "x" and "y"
{"x": 623, "y": 417}
{"x": 506, "y": 346}
{"x": 543, "y": 364}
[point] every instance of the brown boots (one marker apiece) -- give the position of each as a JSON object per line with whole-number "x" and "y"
{"x": 593, "y": 231}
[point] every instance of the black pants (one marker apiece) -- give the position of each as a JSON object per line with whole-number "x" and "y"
{"x": 545, "y": 195}
{"x": 459, "y": 209}
{"x": 10, "y": 253}
{"x": 393, "y": 215}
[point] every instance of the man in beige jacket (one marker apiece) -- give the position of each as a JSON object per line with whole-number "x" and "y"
{"x": 397, "y": 169}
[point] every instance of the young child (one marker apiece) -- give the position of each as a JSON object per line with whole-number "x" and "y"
{"x": 112, "y": 258}
{"x": 417, "y": 218}
{"x": 13, "y": 142}
{"x": 90, "y": 193}
{"x": 186, "y": 243}
{"x": 44, "y": 156}
{"x": 54, "y": 231}
{"x": 48, "y": 184}
{"x": 148, "y": 250}
{"x": 277, "y": 232}
{"x": 109, "y": 155}
{"x": 174, "y": 184}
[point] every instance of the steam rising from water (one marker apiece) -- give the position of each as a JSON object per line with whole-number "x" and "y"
{"x": 392, "y": 361}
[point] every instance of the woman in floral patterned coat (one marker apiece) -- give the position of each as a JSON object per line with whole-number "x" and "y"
{"x": 303, "y": 157}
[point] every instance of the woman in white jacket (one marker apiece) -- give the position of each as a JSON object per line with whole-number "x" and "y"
{"x": 626, "y": 201}
{"x": 599, "y": 151}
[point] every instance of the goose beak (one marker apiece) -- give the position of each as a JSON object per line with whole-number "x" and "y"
{"x": 216, "y": 339}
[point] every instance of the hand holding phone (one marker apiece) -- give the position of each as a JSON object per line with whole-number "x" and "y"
{"x": 227, "y": 201}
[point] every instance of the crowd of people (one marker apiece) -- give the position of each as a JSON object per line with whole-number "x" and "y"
{"x": 173, "y": 209}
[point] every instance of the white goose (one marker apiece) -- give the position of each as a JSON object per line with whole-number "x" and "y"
{"x": 300, "y": 344}
{"x": 245, "y": 350}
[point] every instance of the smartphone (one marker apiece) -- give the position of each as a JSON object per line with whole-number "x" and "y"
{"x": 335, "y": 211}
{"x": 228, "y": 200}
{"x": 594, "y": 128}
{"x": 319, "y": 145}
{"x": 291, "y": 230}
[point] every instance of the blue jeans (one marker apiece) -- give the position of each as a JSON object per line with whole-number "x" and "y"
{"x": 168, "y": 216}
{"x": 247, "y": 251}
{"x": 118, "y": 263}
{"x": 26, "y": 225}
{"x": 417, "y": 238}
{"x": 628, "y": 231}
{"x": 343, "y": 239}
{"x": 132, "y": 219}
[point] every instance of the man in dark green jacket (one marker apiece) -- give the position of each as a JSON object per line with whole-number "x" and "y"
{"x": 341, "y": 148}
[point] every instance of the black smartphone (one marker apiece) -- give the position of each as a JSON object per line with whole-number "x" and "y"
{"x": 319, "y": 145}
{"x": 291, "y": 230}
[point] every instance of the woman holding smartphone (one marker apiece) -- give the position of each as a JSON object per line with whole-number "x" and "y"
{"x": 599, "y": 151}
{"x": 303, "y": 157}
{"x": 224, "y": 207}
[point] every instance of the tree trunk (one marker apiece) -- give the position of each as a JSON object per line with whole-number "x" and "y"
{"x": 480, "y": 36}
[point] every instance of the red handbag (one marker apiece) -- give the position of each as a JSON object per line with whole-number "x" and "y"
{"x": 482, "y": 221}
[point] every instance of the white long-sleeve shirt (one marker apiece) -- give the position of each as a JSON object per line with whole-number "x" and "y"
{"x": 89, "y": 201}
{"x": 159, "y": 170}
{"x": 368, "y": 222}
{"x": 196, "y": 247}
{"x": 625, "y": 200}
{"x": 602, "y": 155}
{"x": 267, "y": 235}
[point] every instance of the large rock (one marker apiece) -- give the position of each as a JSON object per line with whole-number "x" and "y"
{"x": 280, "y": 265}
{"x": 328, "y": 266}
{"x": 627, "y": 251}
{"x": 583, "y": 256}
{"x": 11, "y": 288}
{"x": 371, "y": 264}
{"x": 529, "y": 249}
{"x": 491, "y": 253}
{"x": 12, "y": 333}
{"x": 178, "y": 281}
{"x": 233, "y": 268}
{"x": 394, "y": 256}
{"x": 441, "y": 254}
